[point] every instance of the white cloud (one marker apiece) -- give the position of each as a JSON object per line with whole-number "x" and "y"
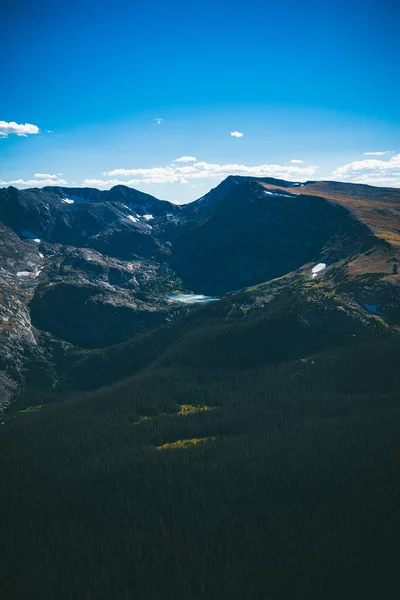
{"x": 371, "y": 171}
{"x": 101, "y": 183}
{"x": 237, "y": 134}
{"x": 176, "y": 173}
{"x": 7, "y": 129}
{"x": 376, "y": 153}
{"x": 34, "y": 182}
{"x": 46, "y": 176}
{"x": 296, "y": 161}
{"x": 158, "y": 121}
{"x": 378, "y": 180}
{"x": 200, "y": 170}
{"x": 185, "y": 159}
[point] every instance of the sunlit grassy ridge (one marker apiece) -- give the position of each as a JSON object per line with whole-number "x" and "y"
{"x": 189, "y": 409}
{"x": 379, "y": 208}
{"x": 182, "y": 444}
{"x": 30, "y": 409}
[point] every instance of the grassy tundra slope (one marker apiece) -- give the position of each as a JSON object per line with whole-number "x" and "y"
{"x": 379, "y": 208}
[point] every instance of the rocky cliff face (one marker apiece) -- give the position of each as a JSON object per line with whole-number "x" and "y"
{"x": 20, "y": 263}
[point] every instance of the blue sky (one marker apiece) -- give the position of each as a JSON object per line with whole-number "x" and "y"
{"x": 301, "y": 81}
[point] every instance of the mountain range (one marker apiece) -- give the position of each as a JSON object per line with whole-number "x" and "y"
{"x": 84, "y": 268}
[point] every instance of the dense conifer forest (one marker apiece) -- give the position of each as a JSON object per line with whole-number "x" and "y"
{"x": 227, "y": 455}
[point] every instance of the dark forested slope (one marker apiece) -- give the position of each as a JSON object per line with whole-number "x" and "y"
{"x": 251, "y": 454}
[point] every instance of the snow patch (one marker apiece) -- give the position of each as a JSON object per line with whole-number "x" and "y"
{"x": 276, "y": 194}
{"x": 148, "y": 217}
{"x": 74, "y": 200}
{"x": 36, "y": 273}
{"x": 317, "y": 269}
{"x": 133, "y": 219}
{"x": 132, "y": 206}
{"x": 191, "y": 298}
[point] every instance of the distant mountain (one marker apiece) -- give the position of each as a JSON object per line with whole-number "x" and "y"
{"x": 249, "y": 234}
{"x": 121, "y": 222}
{"x": 377, "y": 207}
{"x": 208, "y": 204}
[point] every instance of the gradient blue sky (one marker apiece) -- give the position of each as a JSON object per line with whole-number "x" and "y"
{"x": 300, "y": 80}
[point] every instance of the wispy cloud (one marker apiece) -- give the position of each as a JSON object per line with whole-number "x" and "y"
{"x": 376, "y": 153}
{"x": 296, "y": 161}
{"x": 236, "y": 134}
{"x": 185, "y": 159}
{"x": 13, "y": 128}
{"x": 46, "y": 176}
{"x": 34, "y": 182}
{"x": 199, "y": 170}
{"x": 378, "y": 179}
{"x": 158, "y": 120}
{"x": 371, "y": 171}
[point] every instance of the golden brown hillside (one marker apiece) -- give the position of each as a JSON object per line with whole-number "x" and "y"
{"x": 379, "y": 208}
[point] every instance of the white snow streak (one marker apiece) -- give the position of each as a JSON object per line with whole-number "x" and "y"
{"x": 317, "y": 269}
